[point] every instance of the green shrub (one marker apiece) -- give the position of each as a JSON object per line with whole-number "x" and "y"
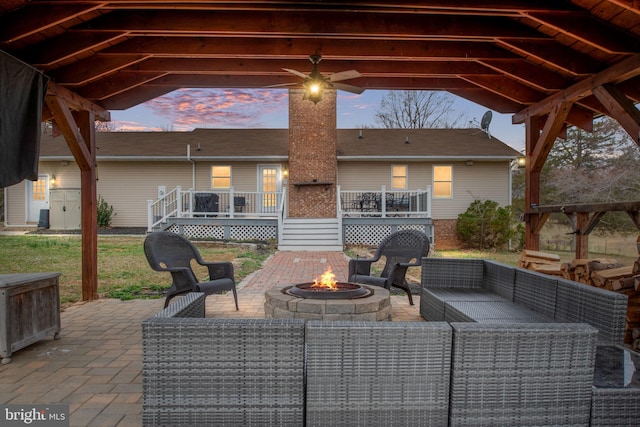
{"x": 105, "y": 213}
{"x": 486, "y": 225}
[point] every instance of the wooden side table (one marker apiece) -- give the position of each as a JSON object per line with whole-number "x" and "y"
{"x": 29, "y": 310}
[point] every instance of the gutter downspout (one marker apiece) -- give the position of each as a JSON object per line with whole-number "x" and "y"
{"x": 510, "y": 198}
{"x": 193, "y": 167}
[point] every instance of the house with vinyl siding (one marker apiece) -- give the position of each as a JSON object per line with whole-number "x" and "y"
{"x": 237, "y": 183}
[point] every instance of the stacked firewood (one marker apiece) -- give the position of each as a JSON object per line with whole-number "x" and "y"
{"x": 541, "y": 262}
{"x": 606, "y": 273}
{"x": 591, "y": 271}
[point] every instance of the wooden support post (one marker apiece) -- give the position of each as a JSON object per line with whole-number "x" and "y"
{"x": 89, "y": 210}
{"x": 75, "y": 116}
{"x": 532, "y": 179}
{"x": 581, "y": 238}
{"x": 538, "y": 145}
{"x": 79, "y": 132}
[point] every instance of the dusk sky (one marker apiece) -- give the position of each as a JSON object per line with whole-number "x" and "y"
{"x": 186, "y": 109}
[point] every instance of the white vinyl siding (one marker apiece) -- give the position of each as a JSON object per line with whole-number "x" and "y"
{"x": 127, "y": 185}
{"x": 15, "y": 204}
{"x": 371, "y": 176}
{"x": 482, "y": 181}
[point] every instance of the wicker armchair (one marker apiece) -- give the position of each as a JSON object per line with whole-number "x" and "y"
{"x": 166, "y": 251}
{"x": 402, "y": 249}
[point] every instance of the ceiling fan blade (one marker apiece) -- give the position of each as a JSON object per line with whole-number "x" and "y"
{"x": 282, "y": 85}
{"x": 348, "y": 88}
{"x": 297, "y": 73}
{"x": 344, "y": 75}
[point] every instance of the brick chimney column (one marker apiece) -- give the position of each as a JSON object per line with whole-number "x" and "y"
{"x": 312, "y": 156}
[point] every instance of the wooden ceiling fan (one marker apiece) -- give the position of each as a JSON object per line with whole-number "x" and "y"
{"x": 315, "y": 83}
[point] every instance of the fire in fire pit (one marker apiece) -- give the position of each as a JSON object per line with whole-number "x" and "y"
{"x": 326, "y": 287}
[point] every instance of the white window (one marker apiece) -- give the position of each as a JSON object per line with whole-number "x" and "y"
{"x": 399, "y": 177}
{"x": 221, "y": 177}
{"x": 443, "y": 182}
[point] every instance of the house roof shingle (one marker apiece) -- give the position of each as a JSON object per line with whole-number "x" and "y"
{"x": 256, "y": 144}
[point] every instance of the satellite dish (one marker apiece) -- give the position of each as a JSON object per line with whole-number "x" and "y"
{"x": 485, "y": 122}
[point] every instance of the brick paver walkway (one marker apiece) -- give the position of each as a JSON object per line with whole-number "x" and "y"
{"x": 285, "y": 268}
{"x": 96, "y": 365}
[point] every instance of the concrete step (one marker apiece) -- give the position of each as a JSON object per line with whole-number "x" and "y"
{"x": 310, "y": 234}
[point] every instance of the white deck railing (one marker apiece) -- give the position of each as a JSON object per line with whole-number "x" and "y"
{"x": 247, "y": 204}
{"x": 384, "y": 203}
{"x": 213, "y": 203}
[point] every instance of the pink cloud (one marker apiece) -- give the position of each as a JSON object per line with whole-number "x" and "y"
{"x": 186, "y": 109}
{"x": 129, "y": 126}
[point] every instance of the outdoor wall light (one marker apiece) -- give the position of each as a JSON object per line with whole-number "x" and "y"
{"x": 52, "y": 181}
{"x": 521, "y": 161}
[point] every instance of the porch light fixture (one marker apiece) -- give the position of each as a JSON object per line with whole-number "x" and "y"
{"x": 521, "y": 161}
{"x": 52, "y": 181}
{"x": 315, "y": 84}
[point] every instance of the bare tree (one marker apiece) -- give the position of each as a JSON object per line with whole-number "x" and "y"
{"x": 104, "y": 126}
{"x": 414, "y": 109}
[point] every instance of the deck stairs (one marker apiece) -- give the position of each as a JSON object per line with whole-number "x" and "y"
{"x": 311, "y": 234}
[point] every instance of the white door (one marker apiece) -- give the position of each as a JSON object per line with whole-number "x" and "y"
{"x": 37, "y": 197}
{"x": 269, "y": 186}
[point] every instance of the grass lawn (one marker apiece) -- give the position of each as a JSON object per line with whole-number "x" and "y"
{"x": 123, "y": 271}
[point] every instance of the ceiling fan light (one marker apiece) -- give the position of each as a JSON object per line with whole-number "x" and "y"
{"x": 314, "y": 89}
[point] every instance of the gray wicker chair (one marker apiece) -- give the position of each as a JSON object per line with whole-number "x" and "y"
{"x": 402, "y": 249}
{"x": 166, "y": 251}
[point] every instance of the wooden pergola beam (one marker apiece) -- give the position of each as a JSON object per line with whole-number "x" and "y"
{"x": 552, "y": 128}
{"x": 78, "y": 103}
{"x": 583, "y": 218}
{"x": 69, "y": 128}
{"x": 590, "y": 207}
{"x": 617, "y": 73}
{"x": 620, "y": 108}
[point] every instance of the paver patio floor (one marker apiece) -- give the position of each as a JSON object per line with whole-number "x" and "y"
{"x": 96, "y": 365}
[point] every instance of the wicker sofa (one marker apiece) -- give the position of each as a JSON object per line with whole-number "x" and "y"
{"x": 488, "y": 296}
{"x": 483, "y": 291}
{"x": 285, "y": 372}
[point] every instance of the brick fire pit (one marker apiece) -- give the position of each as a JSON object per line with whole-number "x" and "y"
{"x": 374, "y": 307}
